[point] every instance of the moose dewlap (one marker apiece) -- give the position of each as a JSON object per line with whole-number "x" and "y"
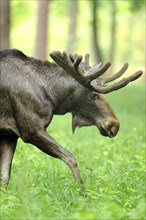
{"x": 32, "y": 91}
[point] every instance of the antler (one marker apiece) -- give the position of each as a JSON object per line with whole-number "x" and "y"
{"x": 88, "y": 76}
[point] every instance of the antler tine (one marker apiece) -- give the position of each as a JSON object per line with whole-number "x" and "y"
{"x": 87, "y": 57}
{"x": 57, "y": 57}
{"x": 77, "y": 61}
{"x": 116, "y": 75}
{"x": 71, "y": 66}
{"x": 66, "y": 57}
{"x": 71, "y": 57}
{"x": 96, "y": 67}
{"x": 94, "y": 72}
{"x": 122, "y": 83}
{"x": 62, "y": 60}
{"x": 135, "y": 75}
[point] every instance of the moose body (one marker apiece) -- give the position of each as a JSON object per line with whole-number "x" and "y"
{"x": 32, "y": 91}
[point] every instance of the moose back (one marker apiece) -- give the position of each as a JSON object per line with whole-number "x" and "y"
{"x": 32, "y": 91}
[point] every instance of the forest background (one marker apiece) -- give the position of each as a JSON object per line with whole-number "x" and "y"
{"x": 113, "y": 170}
{"x": 109, "y": 30}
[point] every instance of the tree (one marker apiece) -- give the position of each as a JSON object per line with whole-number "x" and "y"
{"x": 4, "y": 24}
{"x": 113, "y": 31}
{"x": 42, "y": 29}
{"x": 136, "y": 5}
{"x": 73, "y": 11}
{"x": 134, "y": 8}
{"x": 95, "y": 26}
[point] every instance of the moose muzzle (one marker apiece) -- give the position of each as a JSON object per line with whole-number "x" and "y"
{"x": 109, "y": 127}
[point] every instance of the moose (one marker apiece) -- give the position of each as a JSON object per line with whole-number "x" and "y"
{"x": 32, "y": 91}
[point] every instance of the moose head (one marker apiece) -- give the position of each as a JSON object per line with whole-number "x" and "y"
{"x": 92, "y": 107}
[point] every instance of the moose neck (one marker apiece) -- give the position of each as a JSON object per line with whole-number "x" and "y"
{"x": 63, "y": 90}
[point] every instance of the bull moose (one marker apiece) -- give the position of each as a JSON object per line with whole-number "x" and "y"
{"x": 32, "y": 91}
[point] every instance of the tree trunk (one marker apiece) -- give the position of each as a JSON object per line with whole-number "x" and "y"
{"x": 42, "y": 29}
{"x": 96, "y": 47}
{"x": 73, "y": 12}
{"x": 4, "y": 24}
{"x": 113, "y": 31}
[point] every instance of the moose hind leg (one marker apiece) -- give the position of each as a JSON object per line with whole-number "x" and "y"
{"x": 7, "y": 149}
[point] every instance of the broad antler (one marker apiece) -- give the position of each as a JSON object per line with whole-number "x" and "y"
{"x": 88, "y": 76}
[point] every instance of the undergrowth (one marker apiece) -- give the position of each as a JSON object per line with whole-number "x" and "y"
{"x": 113, "y": 171}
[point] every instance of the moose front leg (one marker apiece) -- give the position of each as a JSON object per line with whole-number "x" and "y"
{"x": 48, "y": 145}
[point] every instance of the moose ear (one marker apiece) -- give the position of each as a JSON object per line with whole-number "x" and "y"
{"x": 95, "y": 95}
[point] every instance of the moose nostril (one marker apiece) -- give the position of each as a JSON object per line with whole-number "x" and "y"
{"x": 108, "y": 128}
{"x": 112, "y": 128}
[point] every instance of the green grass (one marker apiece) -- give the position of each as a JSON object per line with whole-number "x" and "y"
{"x": 113, "y": 170}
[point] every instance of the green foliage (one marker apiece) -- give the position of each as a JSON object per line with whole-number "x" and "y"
{"x": 113, "y": 170}
{"x": 136, "y": 5}
{"x": 129, "y": 30}
{"x": 21, "y": 11}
